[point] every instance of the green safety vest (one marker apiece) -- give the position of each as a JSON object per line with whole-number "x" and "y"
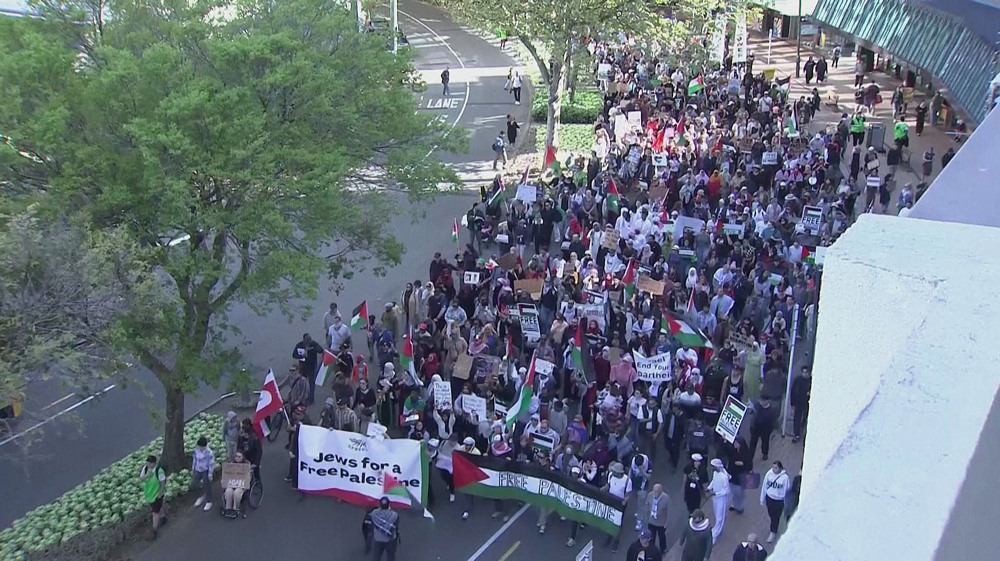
{"x": 858, "y": 124}
{"x": 151, "y": 486}
{"x": 900, "y": 130}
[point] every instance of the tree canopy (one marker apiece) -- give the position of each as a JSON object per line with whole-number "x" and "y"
{"x": 245, "y": 147}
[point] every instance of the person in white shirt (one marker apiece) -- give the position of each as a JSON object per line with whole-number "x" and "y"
{"x": 620, "y": 486}
{"x": 338, "y": 333}
{"x": 772, "y": 494}
{"x": 721, "y": 304}
{"x": 718, "y": 489}
{"x": 724, "y": 275}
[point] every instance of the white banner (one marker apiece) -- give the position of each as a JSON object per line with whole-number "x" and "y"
{"x": 349, "y": 465}
{"x": 653, "y": 369}
{"x": 719, "y": 39}
{"x": 740, "y": 38}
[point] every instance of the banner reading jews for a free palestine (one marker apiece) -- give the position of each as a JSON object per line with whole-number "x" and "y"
{"x": 507, "y": 479}
{"x": 349, "y": 466}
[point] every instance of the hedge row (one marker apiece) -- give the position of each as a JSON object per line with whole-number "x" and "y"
{"x": 110, "y": 497}
{"x": 572, "y": 138}
{"x": 584, "y": 109}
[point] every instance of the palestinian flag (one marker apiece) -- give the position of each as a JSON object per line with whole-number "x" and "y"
{"x": 696, "y": 85}
{"x": 524, "y": 397}
{"x": 359, "y": 318}
{"x": 660, "y": 141}
{"x": 550, "y": 161}
{"x": 498, "y": 194}
{"x": 406, "y": 358}
{"x": 681, "y": 140}
{"x": 793, "y": 123}
{"x": 328, "y": 367}
{"x": 391, "y": 487}
{"x": 581, "y": 354}
{"x": 783, "y": 83}
{"x": 613, "y": 203}
{"x": 454, "y": 231}
{"x": 524, "y": 176}
{"x": 628, "y": 279}
{"x": 686, "y": 334}
{"x": 501, "y": 479}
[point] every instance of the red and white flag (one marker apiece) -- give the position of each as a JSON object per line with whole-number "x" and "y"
{"x": 268, "y": 402}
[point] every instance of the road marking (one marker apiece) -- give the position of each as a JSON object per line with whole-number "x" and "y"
{"x": 498, "y": 533}
{"x": 58, "y": 401}
{"x": 465, "y": 103}
{"x": 57, "y": 415}
{"x": 510, "y": 551}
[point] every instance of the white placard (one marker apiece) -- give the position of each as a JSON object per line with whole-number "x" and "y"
{"x": 731, "y": 418}
{"x": 812, "y": 219}
{"x": 653, "y": 369}
{"x": 769, "y": 158}
{"x": 349, "y": 466}
{"x": 621, "y": 126}
{"x": 603, "y": 69}
{"x": 471, "y": 277}
{"x": 733, "y": 229}
{"x": 442, "y": 395}
{"x": 635, "y": 120}
{"x": 474, "y": 405}
{"x": 527, "y": 193}
{"x": 543, "y": 367}
{"x": 873, "y": 181}
{"x": 684, "y": 222}
{"x": 377, "y": 431}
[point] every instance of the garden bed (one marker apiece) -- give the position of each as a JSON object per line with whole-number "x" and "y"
{"x": 98, "y": 515}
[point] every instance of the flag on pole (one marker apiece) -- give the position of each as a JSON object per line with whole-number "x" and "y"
{"x": 581, "y": 354}
{"x": 359, "y": 318}
{"x": 329, "y": 363}
{"x": 406, "y": 358}
{"x": 613, "y": 203}
{"x": 793, "y": 123}
{"x": 498, "y": 194}
{"x": 523, "y": 399}
{"x": 628, "y": 279}
{"x": 685, "y": 333}
{"x": 524, "y": 176}
{"x": 551, "y": 162}
{"x": 680, "y": 130}
{"x": 690, "y": 307}
{"x": 267, "y": 404}
{"x": 660, "y": 141}
{"x": 454, "y": 231}
{"x": 392, "y": 487}
{"x": 696, "y": 85}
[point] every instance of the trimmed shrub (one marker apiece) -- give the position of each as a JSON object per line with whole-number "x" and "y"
{"x": 583, "y": 111}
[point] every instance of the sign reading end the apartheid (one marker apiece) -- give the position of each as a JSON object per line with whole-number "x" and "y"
{"x": 506, "y": 479}
{"x": 731, "y": 418}
{"x": 350, "y": 466}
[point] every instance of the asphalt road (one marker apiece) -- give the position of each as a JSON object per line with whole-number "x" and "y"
{"x": 71, "y": 448}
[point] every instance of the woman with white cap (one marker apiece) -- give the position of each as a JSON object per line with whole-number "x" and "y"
{"x": 694, "y": 480}
{"x": 620, "y": 486}
{"x": 718, "y": 489}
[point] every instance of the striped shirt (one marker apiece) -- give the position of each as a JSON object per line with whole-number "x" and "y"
{"x": 345, "y": 419}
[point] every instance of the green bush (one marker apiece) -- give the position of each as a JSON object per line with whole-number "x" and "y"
{"x": 584, "y": 110}
{"x": 106, "y": 499}
{"x": 572, "y": 138}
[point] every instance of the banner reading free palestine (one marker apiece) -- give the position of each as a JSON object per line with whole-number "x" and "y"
{"x": 349, "y": 466}
{"x": 506, "y": 479}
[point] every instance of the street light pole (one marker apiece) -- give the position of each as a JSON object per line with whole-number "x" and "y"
{"x": 798, "y": 42}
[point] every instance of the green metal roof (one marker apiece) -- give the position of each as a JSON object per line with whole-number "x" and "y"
{"x": 927, "y": 38}
{"x": 789, "y": 7}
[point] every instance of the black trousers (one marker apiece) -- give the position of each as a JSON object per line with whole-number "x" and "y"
{"x": 388, "y": 547}
{"x": 517, "y": 95}
{"x": 774, "y": 508}
{"x": 659, "y": 533}
{"x": 764, "y": 436}
{"x": 857, "y": 138}
{"x": 799, "y": 418}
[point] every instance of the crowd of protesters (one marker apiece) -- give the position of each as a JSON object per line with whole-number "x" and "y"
{"x": 684, "y": 234}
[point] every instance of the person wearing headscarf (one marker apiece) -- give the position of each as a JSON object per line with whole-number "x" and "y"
{"x": 718, "y": 490}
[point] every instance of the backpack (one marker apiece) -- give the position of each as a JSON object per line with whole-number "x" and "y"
{"x": 497, "y": 145}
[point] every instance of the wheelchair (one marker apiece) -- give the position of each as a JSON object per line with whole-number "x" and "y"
{"x": 252, "y": 497}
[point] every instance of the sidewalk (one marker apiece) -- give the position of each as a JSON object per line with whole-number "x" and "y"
{"x": 840, "y": 81}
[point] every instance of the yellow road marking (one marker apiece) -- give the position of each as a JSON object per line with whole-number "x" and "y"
{"x": 510, "y": 551}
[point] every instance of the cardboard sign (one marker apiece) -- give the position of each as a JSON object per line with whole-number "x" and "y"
{"x": 745, "y": 145}
{"x": 235, "y": 475}
{"x": 812, "y": 219}
{"x": 474, "y": 405}
{"x": 471, "y": 277}
{"x": 463, "y": 366}
{"x": 531, "y": 286}
{"x": 507, "y": 261}
{"x": 739, "y": 341}
{"x": 484, "y": 367}
{"x": 442, "y": 395}
{"x": 651, "y": 286}
{"x": 610, "y": 239}
{"x": 731, "y": 418}
{"x": 653, "y": 369}
{"x": 769, "y": 158}
{"x": 527, "y": 193}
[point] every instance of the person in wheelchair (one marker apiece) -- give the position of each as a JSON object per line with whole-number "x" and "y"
{"x": 233, "y": 496}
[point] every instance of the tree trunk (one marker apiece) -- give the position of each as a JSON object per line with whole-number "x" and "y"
{"x": 173, "y": 431}
{"x": 556, "y": 85}
{"x": 571, "y": 78}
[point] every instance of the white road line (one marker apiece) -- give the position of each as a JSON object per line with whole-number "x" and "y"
{"x": 57, "y": 415}
{"x": 498, "y": 533}
{"x": 58, "y": 401}
{"x": 468, "y": 85}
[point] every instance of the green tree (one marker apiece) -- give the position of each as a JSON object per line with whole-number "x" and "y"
{"x": 246, "y": 147}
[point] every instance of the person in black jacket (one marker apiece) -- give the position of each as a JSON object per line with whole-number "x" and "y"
{"x": 307, "y": 352}
{"x": 750, "y": 550}
{"x": 739, "y": 462}
{"x": 765, "y": 417}
{"x": 801, "y": 388}
{"x": 644, "y": 546}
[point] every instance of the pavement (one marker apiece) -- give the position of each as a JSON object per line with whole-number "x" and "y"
{"x": 79, "y": 437}
{"x": 840, "y": 81}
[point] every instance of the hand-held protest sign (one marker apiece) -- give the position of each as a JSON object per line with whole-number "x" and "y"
{"x": 442, "y": 395}
{"x": 731, "y": 418}
{"x": 610, "y": 239}
{"x": 651, "y": 286}
{"x": 474, "y": 405}
{"x": 505, "y": 479}
{"x": 235, "y": 475}
{"x": 349, "y": 466}
{"x": 471, "y": 277}
{"x": 463, "y": 366}
{"x": 653, "y": 369}
{"x": 532, "y": 286}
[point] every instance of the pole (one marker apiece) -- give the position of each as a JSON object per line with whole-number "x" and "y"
{"x": 770, "y": 34}
{"x": 394, "y": 16}
{"x": 791, "y": 362}
{"x": 798, "y": 42}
